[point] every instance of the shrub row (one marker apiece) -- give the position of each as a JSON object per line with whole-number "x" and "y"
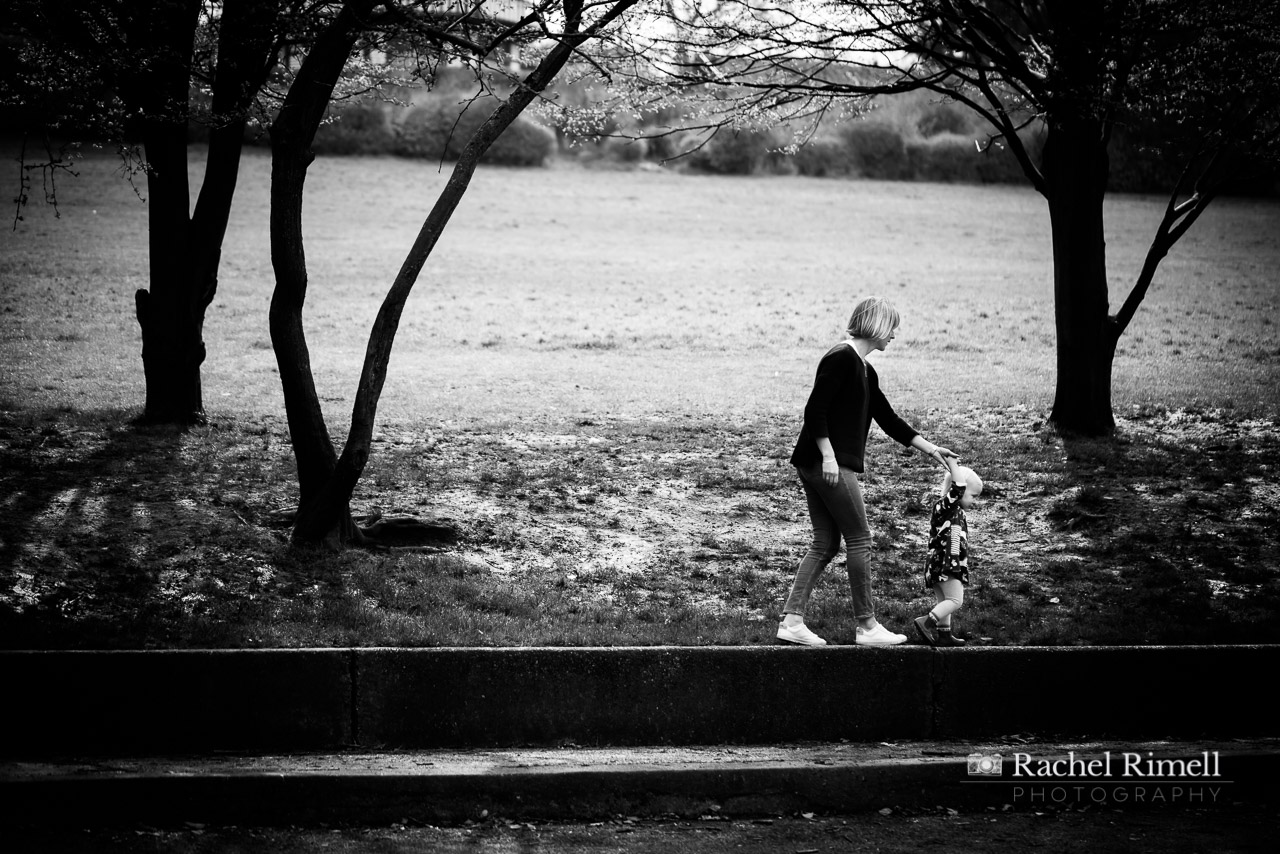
{"x": 865, "y": 149}
{"x": 436, "y": 130}
{"x": 907, "y": 137}
{"x": 356, "y": 129}
{"x": 440, "y": 130}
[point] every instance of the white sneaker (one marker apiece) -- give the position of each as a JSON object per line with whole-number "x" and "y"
{"x": 799, "y": 633}
{"x": 879, "y": 636}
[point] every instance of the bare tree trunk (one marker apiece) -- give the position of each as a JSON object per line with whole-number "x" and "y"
{"x": 326, "y": 484}
{"x": 321, "y": 517}
{"x": 172, "y": 343}
{"x": 1075, "y": 170}
{"x": 317, "y": 518}
{"x": 313, "y": 450}
{"x": 185, "y": 250}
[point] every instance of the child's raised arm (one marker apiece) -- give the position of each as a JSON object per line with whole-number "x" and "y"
{"x": 954, "y": 469}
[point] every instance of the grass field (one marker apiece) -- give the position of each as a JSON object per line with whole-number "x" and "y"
{"x": 599, "y": 377}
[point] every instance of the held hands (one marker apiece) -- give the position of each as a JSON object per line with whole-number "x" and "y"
{"x": 946, "y": 457}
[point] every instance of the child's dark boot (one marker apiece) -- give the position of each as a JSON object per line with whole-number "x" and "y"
{"x": 945, "y": 638}
{"x": 927, "y": 628}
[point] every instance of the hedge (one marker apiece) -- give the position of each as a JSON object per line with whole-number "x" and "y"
{"x": 361, "y": 128}
{"x": 440, "y": 129}
{"x": 877, "y": 150}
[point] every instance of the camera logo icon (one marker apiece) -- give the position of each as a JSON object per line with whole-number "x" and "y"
{"x": 984, "y": 764}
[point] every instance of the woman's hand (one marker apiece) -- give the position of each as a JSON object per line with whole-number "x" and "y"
{"x": 946, "y": 457}
{"x": 941, "y": 454}
{"x": 830, "y": 465}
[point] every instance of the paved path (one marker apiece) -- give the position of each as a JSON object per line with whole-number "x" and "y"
{"x": 1222, "y": 829}
{"x": 571, "y": 782}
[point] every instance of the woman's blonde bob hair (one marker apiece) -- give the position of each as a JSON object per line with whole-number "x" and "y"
{"x": 873, "y": 317}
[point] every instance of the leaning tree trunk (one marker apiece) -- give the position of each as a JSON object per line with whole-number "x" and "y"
{"x": 312, "y": 448}
{"x": 291, "y": 136}
{"x": 326, "y": 483}
{"x": 326, "y": 519}
{"x": 1075, "y": 172}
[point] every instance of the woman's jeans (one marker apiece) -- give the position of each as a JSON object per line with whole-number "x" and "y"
{"x": 835, "y": 511}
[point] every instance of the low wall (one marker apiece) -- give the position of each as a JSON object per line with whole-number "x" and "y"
{"x": 173, "y": 702}
{"x": 122, "y": 703}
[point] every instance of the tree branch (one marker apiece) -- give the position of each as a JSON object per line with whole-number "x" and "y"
{"x": 1177, "y": 218}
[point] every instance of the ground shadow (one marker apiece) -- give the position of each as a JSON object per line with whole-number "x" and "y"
{"x": 92, "y": 500}
{"x": 1177, "y": 498}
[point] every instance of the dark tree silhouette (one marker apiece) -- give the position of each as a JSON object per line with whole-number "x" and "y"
{"x": 554, "y": 31}
{"x": 124, "y": 71}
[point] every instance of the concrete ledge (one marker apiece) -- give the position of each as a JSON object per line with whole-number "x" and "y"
{"x": 140, "y": 703}
{"x": 658, "y": 695}
{"x": 1134, "y": 692}
{"x": 60, "y": 703}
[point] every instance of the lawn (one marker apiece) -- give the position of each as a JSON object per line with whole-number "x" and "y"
{"x": 598, "y": 380}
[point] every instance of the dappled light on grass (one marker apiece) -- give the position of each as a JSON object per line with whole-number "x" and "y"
{"x": 630, "y": 533}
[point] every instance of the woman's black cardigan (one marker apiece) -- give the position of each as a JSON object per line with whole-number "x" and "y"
{"x": 846, "y": 396}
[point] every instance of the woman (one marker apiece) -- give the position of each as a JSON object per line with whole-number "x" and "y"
{"x": 829, "y": 454}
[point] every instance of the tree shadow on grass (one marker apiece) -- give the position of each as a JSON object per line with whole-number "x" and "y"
{"x": 1174, "y": 513}
{"x": 108, "y": 540}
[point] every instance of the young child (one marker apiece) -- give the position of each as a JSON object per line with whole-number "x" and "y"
{"x": 947, "y": 568}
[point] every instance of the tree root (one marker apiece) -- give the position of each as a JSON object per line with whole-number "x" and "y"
{"x": 408, "y": 532}
{"x": 382, "y": 533}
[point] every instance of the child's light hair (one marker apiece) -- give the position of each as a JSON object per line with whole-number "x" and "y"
{"x": 873, "y": 317}
{"x": 973, "y": 483}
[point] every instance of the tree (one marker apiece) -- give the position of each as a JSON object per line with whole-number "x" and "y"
{"x": 1207, "y": 71}
{"x": 553, "y": 32}
{"x": 125, "y": 71}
